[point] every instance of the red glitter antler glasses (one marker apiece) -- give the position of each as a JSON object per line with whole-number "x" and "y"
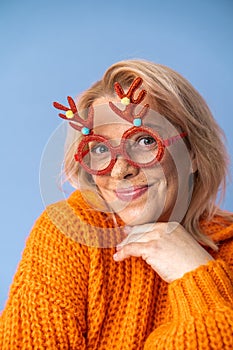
{"x": 74, "y": 119}
{"x": 130, "y": 102}
{"x": 140, "y": 145}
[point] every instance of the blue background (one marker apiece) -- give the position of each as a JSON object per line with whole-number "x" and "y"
{"x": 51, "y": 49}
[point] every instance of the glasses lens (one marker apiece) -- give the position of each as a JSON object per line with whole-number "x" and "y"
{"x": 141, "y": 147}
{"x": 96, "y": 155}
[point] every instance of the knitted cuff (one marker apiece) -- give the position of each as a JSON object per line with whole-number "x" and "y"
{"x": 209, "y": 287}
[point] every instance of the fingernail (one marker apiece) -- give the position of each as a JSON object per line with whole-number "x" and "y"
{"x": 115, "y": 256}
{"x": 171, "y": 227}
{"x": 127, "y": 229}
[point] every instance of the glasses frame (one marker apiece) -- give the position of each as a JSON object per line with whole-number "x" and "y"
{"x": 120, "y": 149}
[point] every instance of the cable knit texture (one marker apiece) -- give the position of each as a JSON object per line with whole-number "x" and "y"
{"x": 68, "y": 294}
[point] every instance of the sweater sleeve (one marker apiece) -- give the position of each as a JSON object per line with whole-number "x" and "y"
{"x": 46, "y": 305}
{"x": 202, "y": 311}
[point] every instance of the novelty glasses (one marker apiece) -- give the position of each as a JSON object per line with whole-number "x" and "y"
{"x": 141, "y": 147}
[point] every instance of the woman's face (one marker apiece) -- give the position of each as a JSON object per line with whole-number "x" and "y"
{"x": 140, "y": 195}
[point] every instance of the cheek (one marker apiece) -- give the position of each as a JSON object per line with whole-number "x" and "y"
{"x": 169, "y": 169}
{"x": 97, "y": 180}
{"x": 100, "y": 181}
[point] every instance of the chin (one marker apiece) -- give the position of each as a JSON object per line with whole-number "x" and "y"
{"x": 139, "y": 216}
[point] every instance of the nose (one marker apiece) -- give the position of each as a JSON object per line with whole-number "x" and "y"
{"x": 123, "y": 170}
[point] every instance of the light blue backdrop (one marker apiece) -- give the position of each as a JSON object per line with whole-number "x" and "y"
{"x": 50, "y": 49}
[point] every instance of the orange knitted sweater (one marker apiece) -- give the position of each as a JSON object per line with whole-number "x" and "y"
{"x": 67, "y": 295}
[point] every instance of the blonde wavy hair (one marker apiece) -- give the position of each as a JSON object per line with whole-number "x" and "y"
{"x": 176, "y": 99}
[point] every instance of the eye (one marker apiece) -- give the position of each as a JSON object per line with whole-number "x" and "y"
{"x": 99, "y": 149}
{"x": 147, "y": 141}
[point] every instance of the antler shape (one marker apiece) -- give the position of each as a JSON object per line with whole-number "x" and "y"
{"x": 130, "y": 102}
{"x": 74, "y": 119}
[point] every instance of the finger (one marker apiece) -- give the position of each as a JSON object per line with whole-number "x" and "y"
{"x": 136, "y": 232}
{"x": 133, "y": 249}
{"x": 130, "y": 239}
{"x": 139, "y": 228}
{"x": 140, "y": 238}
{"x": 171, "y": 227}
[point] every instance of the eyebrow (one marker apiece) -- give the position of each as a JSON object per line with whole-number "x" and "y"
{"x": 154, "y": 126}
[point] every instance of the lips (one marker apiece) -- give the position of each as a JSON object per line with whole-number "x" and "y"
{"x": 130, "y": 193}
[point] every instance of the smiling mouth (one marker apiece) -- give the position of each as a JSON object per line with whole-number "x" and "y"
{"x": 130, "y": 193}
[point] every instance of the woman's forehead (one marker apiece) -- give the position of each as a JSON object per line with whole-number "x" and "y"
{"x": 105, "y": 116}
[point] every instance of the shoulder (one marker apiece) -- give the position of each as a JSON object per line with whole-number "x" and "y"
{"x": 79, "y": 218}
{"x": 51, "y": 232}
{"x": 219, "y": 228}
{"x": 52, "y": 262}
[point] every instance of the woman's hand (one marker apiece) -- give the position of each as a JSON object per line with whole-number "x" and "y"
{"x": 167, "y": 247}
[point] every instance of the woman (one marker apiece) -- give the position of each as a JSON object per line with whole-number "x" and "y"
{"x": 140, "y": 256}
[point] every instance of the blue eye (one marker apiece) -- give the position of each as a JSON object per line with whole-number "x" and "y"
{"x": 99, "y": 149}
